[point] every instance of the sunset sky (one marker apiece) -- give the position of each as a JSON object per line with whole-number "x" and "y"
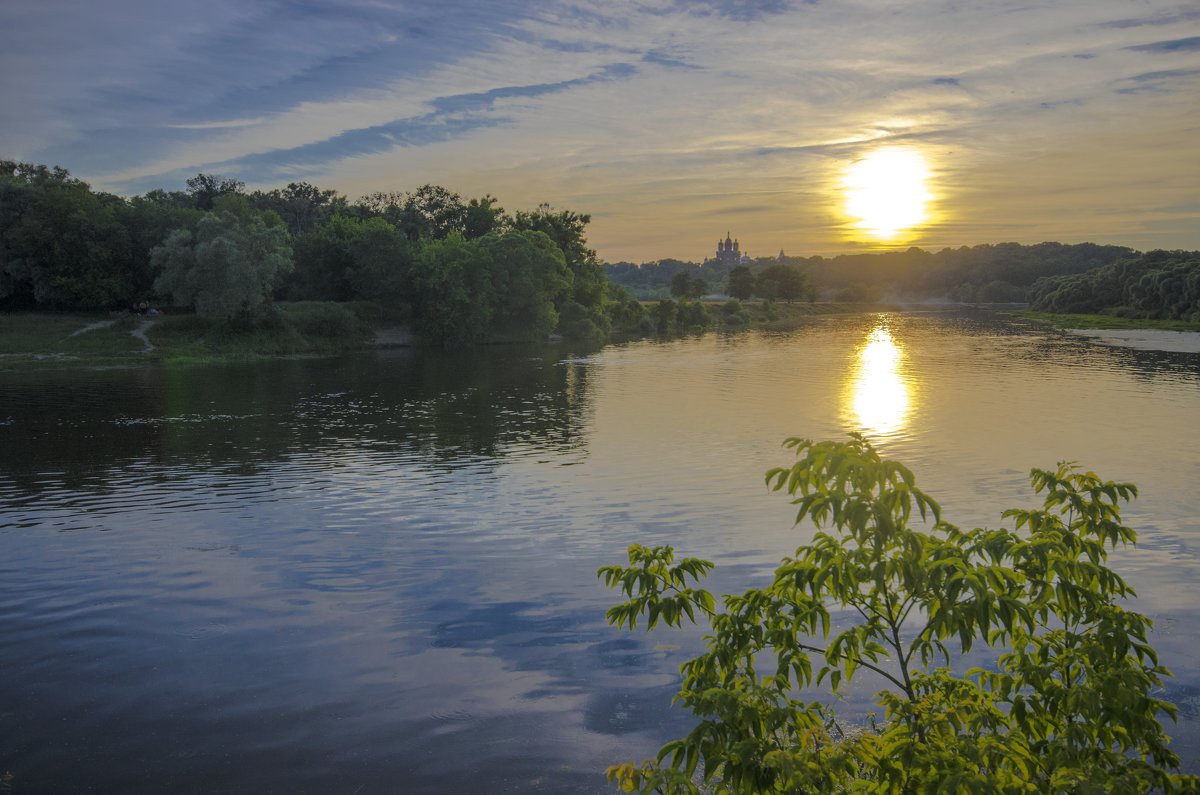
{"x": 671, "y": 122}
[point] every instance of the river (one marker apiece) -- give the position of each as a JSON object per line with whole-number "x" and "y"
{"x": 377, "y": 572}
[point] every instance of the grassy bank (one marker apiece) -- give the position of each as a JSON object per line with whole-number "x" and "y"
{"x": 297, "y": 329}
{"x": 1103, "y": 321}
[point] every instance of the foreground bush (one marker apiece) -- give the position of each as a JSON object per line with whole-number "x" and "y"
{"x": 1069, "y": 705}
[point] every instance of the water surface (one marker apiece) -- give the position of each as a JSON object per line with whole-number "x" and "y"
{"x": 377, "y": 572}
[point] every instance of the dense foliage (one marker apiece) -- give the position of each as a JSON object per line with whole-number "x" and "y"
{"x": 459, "y": 272}
{"x": 1163, "y": 285}
{"x": 1069, "y": 702}
{"x": 227, "y": 267}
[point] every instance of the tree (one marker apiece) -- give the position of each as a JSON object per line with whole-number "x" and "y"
{"x": 453, "y": 281}
{"x": 566, "y": 229}
{"x": 324, "y": 261}
{"x": 529, "y": 277}
{"x": 149, "y": 220}
{"x": 227, "y": 267}
{"x": 482, "y": 216}
{"x": 625, "y": 312}
{"x": 301, "y": 206}
{"x": 741, "y": 282}
{"x": 783, "y": 282}
{"x": 61, "y": 245}
{"x": 685, "y": 285}
{"x": 859, "y": 293}
{"x": 379, "y": 261}
{"x": 432, "y": 212}
{"x": 207, "y": 188}
{"x": 1069, "y": 704}
{"x": 664, "y": 314}
{"x": 348, "y": 258}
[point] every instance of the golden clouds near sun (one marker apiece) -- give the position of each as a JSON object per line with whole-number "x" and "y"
{"x": 886, "y": 192}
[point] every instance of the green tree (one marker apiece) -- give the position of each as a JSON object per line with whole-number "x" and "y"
{"x": 664, "y": 314}
{"x": 566, "y": 229}
{"x": 432, "y": 212}
{"x": 380, "y": 257}
{"x": 733, "y": 314}
{"x": 482, "y": 216}
{"x": 685, "y": 285}
{"x": 61, "y": 245}
{"x": 347, "y": 258}
{"x": 859, "y": 293}
{"x": 529, "y": 277}
{"x": 741, "y": 282}
{"x": 784, "y": 282}
{"x": 324, "y": 261}
{"x": 148, "y": 221}
{"x": 452, "y": 282}
{"x": 692, "y": 316}
{"x": 301, "y": 206}
{"x": 1069, "y": 705}
{"x": 205, "y": 189}
{"x": 227, "y": 267}
{"x": 625, "y": 312}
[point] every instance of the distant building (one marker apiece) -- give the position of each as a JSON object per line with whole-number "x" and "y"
{"x": 728, "y": 252}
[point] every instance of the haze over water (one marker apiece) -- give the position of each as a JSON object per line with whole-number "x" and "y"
{"x": 379, "y": 570}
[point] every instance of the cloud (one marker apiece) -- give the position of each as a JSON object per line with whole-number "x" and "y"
{"x": 736, "y": 10}
{"x": 1189, "y": 44}
{"x": 656, "y": 57}
{"x": 1154, "y": 20}
{"x": 1157, "y": 82}
{"x": 653, "y": 115}
{"x": 452, "y": 117}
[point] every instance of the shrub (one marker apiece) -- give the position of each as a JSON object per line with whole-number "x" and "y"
{"x": 325, "y": 320}
{"x": 1069, "y": 704}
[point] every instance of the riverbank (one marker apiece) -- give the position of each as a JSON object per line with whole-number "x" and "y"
{"x": 1102, "y": 322}
{"x": 298, "y": 329}
{"x": 1175, "y": 336}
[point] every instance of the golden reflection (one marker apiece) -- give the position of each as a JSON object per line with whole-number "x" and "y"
{"x": 886, "y": 192}
{"x": 878, "y": 395}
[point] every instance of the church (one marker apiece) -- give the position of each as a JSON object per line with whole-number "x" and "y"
{"x": 728, "y": 252}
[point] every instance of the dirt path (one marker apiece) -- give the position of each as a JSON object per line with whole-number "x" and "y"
{"x": 140, "y": 333}
{"x": 99, "y": 324}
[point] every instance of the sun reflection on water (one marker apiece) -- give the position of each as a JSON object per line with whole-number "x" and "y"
{"x": 878, "y": 396}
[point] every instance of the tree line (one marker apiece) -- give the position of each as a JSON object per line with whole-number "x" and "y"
{"x": 457, "y": 271}
{"x": 1003, "y": 272}
{"x": 1162, "y": 285}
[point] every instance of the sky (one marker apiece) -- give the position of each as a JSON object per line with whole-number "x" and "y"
{"x": 669, "y": 122}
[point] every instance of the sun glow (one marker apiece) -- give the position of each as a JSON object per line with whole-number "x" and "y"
{"x": 878, "y": 395}
{"x": 886, "y": 192}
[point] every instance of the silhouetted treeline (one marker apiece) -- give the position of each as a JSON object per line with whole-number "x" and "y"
{"x": 1163, "y": 285}
{"x": 991, "y": 273}
{"x": 459, "y": 271}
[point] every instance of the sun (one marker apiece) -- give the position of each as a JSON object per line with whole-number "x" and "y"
{"x": 886, "y": 193}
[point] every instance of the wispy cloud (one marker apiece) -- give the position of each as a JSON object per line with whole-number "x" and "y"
{"x": 1190, "y": 44}
{"x": 659, "y": 117}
